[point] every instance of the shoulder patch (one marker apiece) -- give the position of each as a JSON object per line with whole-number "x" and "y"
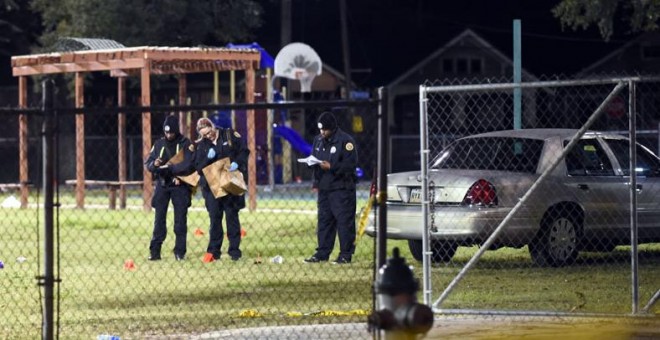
{"x": 236, "y": 134}
{"x": 191, "y": 147}
{"x": 349, "y": 146}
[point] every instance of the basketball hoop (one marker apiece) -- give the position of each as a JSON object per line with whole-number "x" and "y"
{"x": 300, "y": 62}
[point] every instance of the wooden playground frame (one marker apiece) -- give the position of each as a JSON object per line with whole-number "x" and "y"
{"x": 122, "y": 63}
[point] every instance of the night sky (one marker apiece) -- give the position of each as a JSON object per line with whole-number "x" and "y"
{"x": 389, "y": 36}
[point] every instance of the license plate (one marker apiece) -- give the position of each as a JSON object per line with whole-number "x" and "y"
{"x": 415, "y": 195}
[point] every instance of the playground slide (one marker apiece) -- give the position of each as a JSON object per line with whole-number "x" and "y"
{"x": 296, "y": 141}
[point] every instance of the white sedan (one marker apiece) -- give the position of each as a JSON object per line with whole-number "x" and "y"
{"x": 475, "y": 182}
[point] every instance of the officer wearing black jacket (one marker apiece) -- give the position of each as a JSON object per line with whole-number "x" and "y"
{"x": 334, "y": 179}
{"x": 168, "y": 187}
{"x": 218, "y": 143}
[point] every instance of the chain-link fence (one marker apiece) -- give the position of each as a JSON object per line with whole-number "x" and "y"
{"x": 103, "y": 282}
{"x": 545, "y": 219}
{"x": 565, "y": 249}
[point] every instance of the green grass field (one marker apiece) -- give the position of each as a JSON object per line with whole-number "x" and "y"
{"x": 98, "y": 295}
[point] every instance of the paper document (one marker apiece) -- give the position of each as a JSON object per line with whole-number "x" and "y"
{"x": 311, "y": 160}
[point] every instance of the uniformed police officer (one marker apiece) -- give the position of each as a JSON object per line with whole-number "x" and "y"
{"x": 218, "y": 143}
{"x": 167, "y": 187}
{"x": 334, "y": 179}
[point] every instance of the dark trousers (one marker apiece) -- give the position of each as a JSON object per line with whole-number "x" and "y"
{"x": 336, "y": 215}
{"x": 180, "y": 197}
{"x": 217, "y": 207}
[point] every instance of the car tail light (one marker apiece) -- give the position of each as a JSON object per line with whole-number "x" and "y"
{"x": 481, "y": 192}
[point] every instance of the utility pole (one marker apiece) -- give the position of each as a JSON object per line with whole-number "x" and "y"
{"x": 285, "y": 30}
{"x": 285, "y": 24}
{"x": 345, "y": 48}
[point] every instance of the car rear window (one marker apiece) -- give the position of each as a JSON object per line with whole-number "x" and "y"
{"x": 491, "y": 153}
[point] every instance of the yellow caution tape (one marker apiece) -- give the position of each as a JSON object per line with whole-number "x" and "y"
{"x": 364, "y": 217}
{"x": 341, "y": 313}
{"x": 251, "y": 313}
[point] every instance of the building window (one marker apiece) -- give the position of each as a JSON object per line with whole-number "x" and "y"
{"x": 448, "y": 65}
{"x": 475, "y": 66}
{"x": 461, "y": 66}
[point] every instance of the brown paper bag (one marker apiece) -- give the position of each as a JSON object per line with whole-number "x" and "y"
{"x": 213, "y": 172}
{"x": 191, "y": 179}
{"x": 178, "y": 158}
{"x": 233, "y": 182}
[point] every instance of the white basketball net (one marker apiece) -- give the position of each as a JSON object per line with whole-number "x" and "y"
{"x": 306, "y": 79}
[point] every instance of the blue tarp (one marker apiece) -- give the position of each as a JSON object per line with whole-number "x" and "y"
{"x": 266, "y": 60}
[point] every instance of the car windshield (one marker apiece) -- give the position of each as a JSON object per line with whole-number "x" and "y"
{"x": 491, "y": 153}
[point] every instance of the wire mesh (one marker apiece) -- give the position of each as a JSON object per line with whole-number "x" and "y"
{"x": 107, "y": 285}
{"x": 568, "y": 248}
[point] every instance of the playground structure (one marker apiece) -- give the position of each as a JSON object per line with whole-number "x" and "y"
{"x": 291, "y": 136}
{"x": 122, "y": 63}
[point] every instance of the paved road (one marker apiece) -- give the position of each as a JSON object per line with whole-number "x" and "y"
{"x": 471, "y": 327}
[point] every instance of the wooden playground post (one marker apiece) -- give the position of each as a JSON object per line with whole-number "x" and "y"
{"x": 145, "y": 87}
{"x": 183, "y": 119}
{"x": 80, "y": 142}
{"x": 252, "y": 161}
{"x": 23, "y": 142}
{"x": 121, "y": 140}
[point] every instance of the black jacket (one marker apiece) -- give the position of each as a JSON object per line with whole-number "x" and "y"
{"x": 340, "y": 150}
{"x": 165, "y": 150}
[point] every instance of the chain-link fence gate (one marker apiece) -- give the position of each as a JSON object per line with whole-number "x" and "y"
{"x": 97, "y": 250}
{"x": 542, "y": 220}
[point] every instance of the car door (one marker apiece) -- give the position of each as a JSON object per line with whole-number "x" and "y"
{"x": 648, "y": 185}
{"x": 598, "y": 188}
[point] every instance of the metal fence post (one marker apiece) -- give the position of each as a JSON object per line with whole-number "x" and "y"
{"x": 382, "y": 160}
{"x": 48, "y": 176}
{"x": 634, "y": 267}
{"x": 424, "y": 163}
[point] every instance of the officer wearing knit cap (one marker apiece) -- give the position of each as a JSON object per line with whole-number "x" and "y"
{"x": 334, "y": 179}
{"x": 327, "y": 121}
{"x": 167, "y": 187}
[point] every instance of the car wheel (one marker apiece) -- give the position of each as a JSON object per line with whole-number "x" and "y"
{"x": 442, "y": 251}
{"x": 557, "y": 242}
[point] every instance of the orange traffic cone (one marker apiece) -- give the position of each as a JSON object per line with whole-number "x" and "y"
{"x": 199, "y": 232}
{"x": 129, "y": 265}
{"x": 208, "y": 258}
